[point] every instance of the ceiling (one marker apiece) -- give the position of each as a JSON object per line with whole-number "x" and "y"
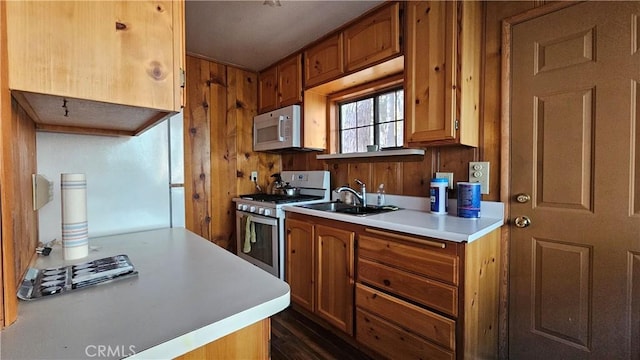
{"x": 255, "y": 34}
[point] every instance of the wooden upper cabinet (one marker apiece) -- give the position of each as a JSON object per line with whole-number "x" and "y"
{"x": 323, "y": 61}
{"x": 281, "y": 84}
{"x": 290, "y": 81}
{"x": 110, "y": 67}
{"x": 268, "y": 89}
{"x": 442, "y": 73}
{"x": 373, "y": 39}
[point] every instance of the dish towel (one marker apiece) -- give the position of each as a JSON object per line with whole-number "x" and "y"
{"x": 249, "y": 234}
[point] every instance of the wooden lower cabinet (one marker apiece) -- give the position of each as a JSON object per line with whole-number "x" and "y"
{"x": 415, "y": 297}
{"x": 251, "y": 342}
{"x": 424, "y": 298}
{"x": 320, "y": 269}
{"x": 334, "y": 276}
{"x": 398, "y": 319}
{"x": 300, "y": 260}
{"x": 394, "y": 342}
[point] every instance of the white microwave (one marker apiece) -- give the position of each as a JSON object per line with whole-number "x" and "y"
{"x": 278, "y": 129}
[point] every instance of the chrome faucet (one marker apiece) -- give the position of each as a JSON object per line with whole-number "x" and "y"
{"x": 362, "y": 196}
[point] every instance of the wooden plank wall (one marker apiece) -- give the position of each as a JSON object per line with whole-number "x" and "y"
{"x": 403, "y": 176}
{"x": 218, "y": 122}
{"x": 197, "y": 144}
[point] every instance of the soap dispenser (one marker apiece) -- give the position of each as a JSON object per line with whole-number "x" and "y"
{"x": 380, "y": 195}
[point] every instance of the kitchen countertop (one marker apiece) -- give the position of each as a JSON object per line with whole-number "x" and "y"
{"x": 413, "y": 218}
{"x": 188, "y": 292}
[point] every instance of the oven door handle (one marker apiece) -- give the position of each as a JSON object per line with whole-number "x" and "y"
{"x": 259, "y": 218}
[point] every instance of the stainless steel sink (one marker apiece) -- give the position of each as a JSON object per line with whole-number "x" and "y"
{"x": 333, "y": 206}
{"x": 339, "y": 207}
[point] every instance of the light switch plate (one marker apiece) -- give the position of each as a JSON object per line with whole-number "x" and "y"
{"x": 446, "y": 175}
{"x": 42, "y": 190}
{"x": 479, "y": 172}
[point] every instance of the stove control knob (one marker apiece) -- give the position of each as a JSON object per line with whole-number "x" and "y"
{"x": 239, "y": 207}
{"x": 244, "y": 207}
{"x": 267, "y": 212}
{"x": 252, "y": 209}
{"x": 261, "y": 211}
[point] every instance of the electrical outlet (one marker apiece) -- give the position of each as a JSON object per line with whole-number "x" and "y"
{"x": 254, "y": 176}
{"x": 479, "y": 172}
{"x": 446, "y": 175}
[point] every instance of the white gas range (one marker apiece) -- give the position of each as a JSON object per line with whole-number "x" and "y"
{"x": 260, "y": 218}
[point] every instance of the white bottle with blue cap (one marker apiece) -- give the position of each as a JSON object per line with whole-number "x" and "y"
{"x": 439, "y": 196}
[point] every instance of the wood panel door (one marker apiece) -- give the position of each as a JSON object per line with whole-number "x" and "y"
{"x": 334, "y": 276}
{"x": 575, "y": 150}
{"x": 300, "y": 255}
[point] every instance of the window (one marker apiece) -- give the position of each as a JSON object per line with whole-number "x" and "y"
{"x": 376, "y": 119}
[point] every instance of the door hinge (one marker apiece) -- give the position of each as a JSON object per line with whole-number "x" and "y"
{"x": 182, "y": 78}
{"x": 457, "y": 124}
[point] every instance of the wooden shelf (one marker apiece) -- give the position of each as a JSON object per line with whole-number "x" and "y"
{"x": 371, "y": 154}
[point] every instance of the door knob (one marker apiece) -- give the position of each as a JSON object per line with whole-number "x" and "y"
{"x": 523, "y": 198}
{"x": 522, "y": 222}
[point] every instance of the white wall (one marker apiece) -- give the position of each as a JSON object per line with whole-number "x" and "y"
{"x": 127, "y": 180}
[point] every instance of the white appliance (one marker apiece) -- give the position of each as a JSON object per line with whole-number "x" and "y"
{"x": 277, "y": 130}
{"x": 265, "y": 215}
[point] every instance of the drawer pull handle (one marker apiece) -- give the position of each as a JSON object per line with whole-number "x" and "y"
{"x": 407, "y": 238}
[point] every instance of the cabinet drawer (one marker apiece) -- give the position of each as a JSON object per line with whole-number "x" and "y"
{"x": 434, "y": 327}
{"x": 428, "y": 292}
{"x": 393, "y": 342}
{"x": 437, "y": 265}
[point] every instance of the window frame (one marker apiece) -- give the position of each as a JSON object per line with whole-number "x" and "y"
{"x": 381, "y": 86}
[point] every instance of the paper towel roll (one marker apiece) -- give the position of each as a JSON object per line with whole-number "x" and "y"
{"x": 75, "y": 229}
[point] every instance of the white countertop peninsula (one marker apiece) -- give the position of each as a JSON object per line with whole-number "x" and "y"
{"x": 414, "y": 218}
{"x": 188, "y": 293}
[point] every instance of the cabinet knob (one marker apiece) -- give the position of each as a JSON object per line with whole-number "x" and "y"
{"x": 386, "y": 282}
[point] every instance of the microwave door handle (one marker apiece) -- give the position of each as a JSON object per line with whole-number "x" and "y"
{"x": 280, "y": 121}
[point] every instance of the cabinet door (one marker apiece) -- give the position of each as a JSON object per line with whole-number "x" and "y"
{"x": 428, "y": 70}
{"x": 323, "y": 61}
{"x": 334, "y": 276}
{"x": 300, "y": 262}
{"x": 373, "y": 39}
{"x": 268, "y": 90}
{"x": 290, "y": 81}
{"x": 442, "y": 72}
{"x": 120, "y": 52}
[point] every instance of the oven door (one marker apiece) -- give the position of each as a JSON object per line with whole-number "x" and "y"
{"x": 257, "y": 242}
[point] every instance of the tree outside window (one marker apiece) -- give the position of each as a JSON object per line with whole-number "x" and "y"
{"x": 376, "y": 119}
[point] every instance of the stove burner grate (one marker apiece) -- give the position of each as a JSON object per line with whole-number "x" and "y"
{"x": 279, "y": 199}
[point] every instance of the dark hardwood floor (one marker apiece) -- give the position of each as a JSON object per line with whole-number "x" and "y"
{"x": 294, "y": 336}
